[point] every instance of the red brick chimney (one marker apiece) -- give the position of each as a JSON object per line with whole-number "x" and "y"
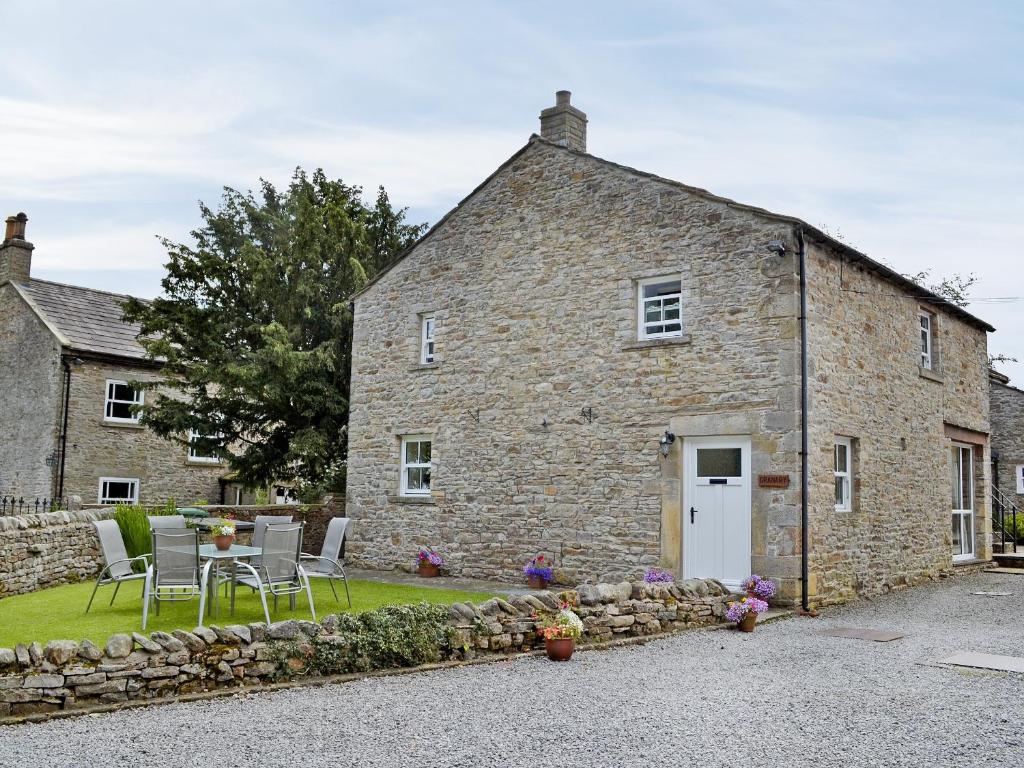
{"x": 15, "y": 251}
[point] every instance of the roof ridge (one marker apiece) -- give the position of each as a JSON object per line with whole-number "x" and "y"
{"x": 84, "y": 288}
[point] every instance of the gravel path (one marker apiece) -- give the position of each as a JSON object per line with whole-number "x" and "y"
{"x": 782, "y": 696}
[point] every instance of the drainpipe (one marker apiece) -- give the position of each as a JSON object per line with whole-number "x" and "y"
{"x": 805, "y": 538}
{"x": 64, "y": 424}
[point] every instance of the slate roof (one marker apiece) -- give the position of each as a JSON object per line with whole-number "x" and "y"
{"x": 83, "y": 319}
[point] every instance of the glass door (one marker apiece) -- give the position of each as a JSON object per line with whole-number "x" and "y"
{"x": 963, "y": 501}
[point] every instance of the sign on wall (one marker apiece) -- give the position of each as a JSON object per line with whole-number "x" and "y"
{"x": 1020, "y": 478}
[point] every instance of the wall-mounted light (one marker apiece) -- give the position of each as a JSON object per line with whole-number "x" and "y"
{"x": 777, "y": 246}
{"x": 666, "y": 442}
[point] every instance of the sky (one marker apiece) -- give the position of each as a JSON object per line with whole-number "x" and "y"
{"x": 897, "y": 126}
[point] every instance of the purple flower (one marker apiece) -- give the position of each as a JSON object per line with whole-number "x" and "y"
{"x": 763, "y": 588}
{"x": 430, "y": 556}
{"x": 737, "y": 610}
{"x": 539, "y": 567}
{"x": 658, "y": 576}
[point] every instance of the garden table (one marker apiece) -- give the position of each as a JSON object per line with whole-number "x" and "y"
{"x": 231, "y": 554}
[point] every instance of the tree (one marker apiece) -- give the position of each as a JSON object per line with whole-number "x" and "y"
{"x": 255, "y": 330}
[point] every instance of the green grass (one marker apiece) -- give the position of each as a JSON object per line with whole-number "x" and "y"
{"x": 58, "y": 613}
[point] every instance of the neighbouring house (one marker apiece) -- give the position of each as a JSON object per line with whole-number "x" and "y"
{"x": 67, "y": 361}
{"x": 598, "y": 363}
{"x": 1007, "y": 413}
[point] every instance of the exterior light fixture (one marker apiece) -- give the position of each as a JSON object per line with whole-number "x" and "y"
{"x": 666, "y": 442}
{"x": 777, "y": 246}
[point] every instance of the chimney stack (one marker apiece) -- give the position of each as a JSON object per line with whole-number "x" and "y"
{"x": 15, "y": 251}
{"x": 563, "y": 124}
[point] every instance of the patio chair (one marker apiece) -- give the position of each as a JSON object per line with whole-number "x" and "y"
{"x": 260, "y": 524}
{"x": 280, "y": 571}
{"x": 161, "y": 522}
{"x": 176, "y": 572}
{"x": 330, "y": 563}
{"x": 117, "y": 566}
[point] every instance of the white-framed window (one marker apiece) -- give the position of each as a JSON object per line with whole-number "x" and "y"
{"x": 118, "y": 490}
{"x": 962, "y": 466}
{"x": 194, "y": 453}
{"x": 1020, "y": 478}
{"x": 927, "y": 321}
{"x": 119, "y": 401}
{"x": 427, "y": 339}
{"x": 843, "y": 470}
{"x": 659, "y": 307}
{"x": 416, "y": 450}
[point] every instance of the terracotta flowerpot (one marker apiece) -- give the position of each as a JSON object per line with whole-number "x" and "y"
{"x": 224, "y": 543}
{"x": 559, "y": 648}
{"x": 747, "y": 623}
{"x": 536, "y": 582}
{"x": 428, "y": 570}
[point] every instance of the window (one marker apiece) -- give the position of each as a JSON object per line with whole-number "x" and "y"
{"x": 427, "y": 340}
{"x": 659, "y": 302}
{"x": 719, "y": 462}
{"x": 843, "y": 471}
{"x": 415, "y": 465}
{"x": 119, "y": 402}
{"x": 118, "y": 490}
{"x": 962, "y": 466}
{"x": 194, "y": 452}
{"x": 927, "y": 321}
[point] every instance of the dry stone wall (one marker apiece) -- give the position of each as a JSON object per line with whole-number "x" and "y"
{"x": 36, "y": 680}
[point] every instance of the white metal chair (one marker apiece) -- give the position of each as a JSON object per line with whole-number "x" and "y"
{"x": 176, "y": 572}
{"x": 330, "y": 563}
{"x": 280, "y": 571}
{"x": 117, "y": 566}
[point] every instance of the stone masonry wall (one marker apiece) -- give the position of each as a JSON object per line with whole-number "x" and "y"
{"x": 544, "y": 409}
{"x": 97, "y": 448}
{"x": 69, "y": 675}
{"x": 30, "y": 383}
{"x": 38, "y": 551}
{"x": 1007, "y": 405}
{"x": 866, "y": 384}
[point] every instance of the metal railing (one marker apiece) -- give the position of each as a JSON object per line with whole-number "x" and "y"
{"x": 19, "y": 505}
{"x": 1004, "y": 518}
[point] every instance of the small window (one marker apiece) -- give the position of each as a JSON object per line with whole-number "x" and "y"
{"x": 719, "y": 462}
{"x": 416, "y": 465}
{"x": 119, "y": 490}
{"x": 844, "y": 474}
{"x": 659, "y": 302}
{"x": 120, "y": 399}
{"x": 196, "y": 454}
{"x": 427, "y": 340}
{"x": 927, "y": 321}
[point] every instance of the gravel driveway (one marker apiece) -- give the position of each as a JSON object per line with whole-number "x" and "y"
{"x": 782, "y": 696}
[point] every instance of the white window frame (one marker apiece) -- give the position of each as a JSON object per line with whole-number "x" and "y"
{"x": 109, "y": 399}
{"x": 960, "y": 510}
{"x": 1020, "y": 478}
{"x": 641, "y": 307}
{"x": 846, "y": 476}
{"x": 194, "y": 457}
{"x": 428, "y": 326}
{"x": 404, "y": 466}
{"x": 109, "y": 500}
{"x": 926, "y": 338}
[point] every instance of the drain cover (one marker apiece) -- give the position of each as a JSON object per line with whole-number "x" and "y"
{"x": 992, "y": 594}
{"x": 856, "y": 633}
{"x": 985, "y": 661}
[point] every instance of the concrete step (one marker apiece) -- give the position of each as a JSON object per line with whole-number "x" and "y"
{"x": 1009, "y": 559}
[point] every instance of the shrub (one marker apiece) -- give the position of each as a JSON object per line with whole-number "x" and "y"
{"x": 134, "y": 524}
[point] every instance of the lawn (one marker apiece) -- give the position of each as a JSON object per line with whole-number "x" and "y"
{"x": 58, "y": 613}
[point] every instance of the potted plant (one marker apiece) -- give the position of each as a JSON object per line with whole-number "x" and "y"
{"x": 560, "y": 633}
{"x": 428, "y": 563}
{"x": 538, "y": 572}
{"x": 224, "y": 534}
{"x": 759, "y": 587}
{"x": 658, "y": 576}
{"x": 744, "y": 612}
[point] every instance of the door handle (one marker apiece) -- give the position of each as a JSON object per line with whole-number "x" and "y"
{"x": 692, "y": 513}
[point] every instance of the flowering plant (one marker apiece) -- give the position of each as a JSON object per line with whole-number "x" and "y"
{"x": 539, "y": 568}
{"x": 562, "y": 626}
{"x": 756, "y": 586}
{"x": 226, "y": 527}
{"x": 658, "y": 576}
{"x": 430, "y": 557}
{"x": 738, "y": 610}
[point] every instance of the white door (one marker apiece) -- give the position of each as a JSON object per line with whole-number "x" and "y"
{"x": 716, "y": 509}
{"x": 962, "y": 465}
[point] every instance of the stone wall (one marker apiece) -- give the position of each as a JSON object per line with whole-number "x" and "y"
{"x": 31, "y": 383}
{"x": 38, "y": 551}
{"x": 98, "y": 448}
{"x": 1007, "y": 405}
{"x": 866, "y": 384}
{"x": 316, "y": 517}
{"x": 70, "y": 675}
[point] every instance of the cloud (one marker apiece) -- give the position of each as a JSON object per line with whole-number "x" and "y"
{"x": 117, "y": 247}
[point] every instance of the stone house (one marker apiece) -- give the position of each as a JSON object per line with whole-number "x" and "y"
{"x": 1007, "y": 408}
{"x": 66, "y": 363}
{"x": 611, "y": 367}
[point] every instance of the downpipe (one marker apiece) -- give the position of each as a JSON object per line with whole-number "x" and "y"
{"x": 805, "y": 537}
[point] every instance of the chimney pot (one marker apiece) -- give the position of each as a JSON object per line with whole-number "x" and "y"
{"x": 563, "y": 124}
{"x": 562, "y": 98}
{"x": 16, "y": 227}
